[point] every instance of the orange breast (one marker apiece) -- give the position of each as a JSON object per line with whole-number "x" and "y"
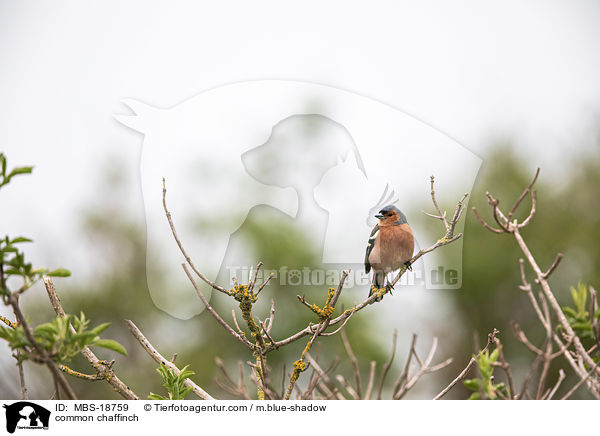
{"x": 393, "y": 247}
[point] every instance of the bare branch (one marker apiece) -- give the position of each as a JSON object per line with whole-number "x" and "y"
{"x": 214, "y": 313}
{"x": 340, "y": 378}
{"x": 532, "y": 369}
{"x": 579, "y": 383}
{"x": 180, "y": 245}
{"x": 387, "y": 365}
{"x": 340, "y": 327}
{"x": 253, "y": 279}
{"x": 491, "y": 338}
{"x": 24, "y": 395}
{"x": 497, "y": 213}
{"x": 520, "y": 334}
{"x": 404, "y": 374}
{"x": 531, "y": 212}
{"x": 557, "y": 260}
{"x": 158, "y": 358}
{"x": 550, "y": 393}
{"x": 522, "y": 196}
{"x": 506, "y": 367}
{"x": 324, "y": 375}
{"x": 484, "y": 223}
{"x": 441, "y": 215}
{"x": 235, "y": 322}
{"x": 352, "y": 358}
{"x": 424, "y": 368}
{"x": 300, "y": 365}
{"x": 595, "y": 322}
{"x": 371, "y": 380}
{"x": 552, "y": 300}
{"x": 265, "y": 283}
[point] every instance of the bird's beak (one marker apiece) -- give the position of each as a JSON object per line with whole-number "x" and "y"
{"x": 379, "y": 216}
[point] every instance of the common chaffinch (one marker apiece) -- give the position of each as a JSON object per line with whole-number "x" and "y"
{"x": 390, "y": 246}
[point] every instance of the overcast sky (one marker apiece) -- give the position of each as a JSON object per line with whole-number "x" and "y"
{"x": 472, "y": 69}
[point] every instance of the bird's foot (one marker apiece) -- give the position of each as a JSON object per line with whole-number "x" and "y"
{"x": 378, "y": 292}
{"x": 388, "y": 288}
{"x": 408, "y": 265}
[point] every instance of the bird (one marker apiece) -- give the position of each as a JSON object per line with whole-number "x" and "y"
{"x": 391, "y": 245}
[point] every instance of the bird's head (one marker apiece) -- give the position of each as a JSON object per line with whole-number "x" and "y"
{"x": 391, "y": 215}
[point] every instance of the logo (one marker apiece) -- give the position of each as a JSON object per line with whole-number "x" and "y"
{"x": 287, "y": 161}
{"x": 26, "y": 415}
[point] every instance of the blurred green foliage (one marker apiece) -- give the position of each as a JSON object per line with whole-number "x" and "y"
{"x": 175, "y": 384}
{"x": 484, "y": 387}
{"x": 585, "y": 323}
{"x": 60, "y": 339}
{"x": 566, "y": 221}
{"x": 567, "y": 218}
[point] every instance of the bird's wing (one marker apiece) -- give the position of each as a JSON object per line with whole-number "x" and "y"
{"x": 370, "y": 246}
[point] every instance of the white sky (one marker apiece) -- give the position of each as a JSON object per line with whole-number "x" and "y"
{"x": 472, "y": 69}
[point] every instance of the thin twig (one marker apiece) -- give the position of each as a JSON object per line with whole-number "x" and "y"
{"x": 531, "y": 212}
{"x": 506, "y": 367}
{"x": 491, "y": 338}
{"x": 404, "y": 374}
{"x": 371, "y": 380}
{"x": 271, "y": 316}
{"x": 353, "y": 360}
{"x": 561, "y": 377}
{"x": 325, "y": 376}
{"x": 579, "y": 383}
{"x": 22, "y": 380}
{"x": 214, "y": 313}
{"x": 424, "y": 368}
{"x": 387, "y": 365}
{"x": 180, "y": 245}
{"x": 340, "y": 378}
{"x": 158, "y": 358}
{"x": 522, "y": 196}
{"x": 557, "y": 260}
{"x": 520, "y": 334}
{"x": 484, "y": 223}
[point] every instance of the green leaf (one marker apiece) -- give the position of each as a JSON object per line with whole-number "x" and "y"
{"x": 100, "y": 328}
{"x": 582, "y": 325}
{"x": 569, "y": 311}
{"x": 474, "y": 396}
{"x": 84, "y": 338}
{"x": 472, "y": 384}
{"x": 156, "y": 397}
{"x": 579, "y": 298}
{"x": 111, "y": 345}
{"x": 45, "y": 328}
{"x": 494, "y": 355}
{"x": 20, "y": 239}
{"x": 60, "y": 272}
{"x": 19, "y": 170}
